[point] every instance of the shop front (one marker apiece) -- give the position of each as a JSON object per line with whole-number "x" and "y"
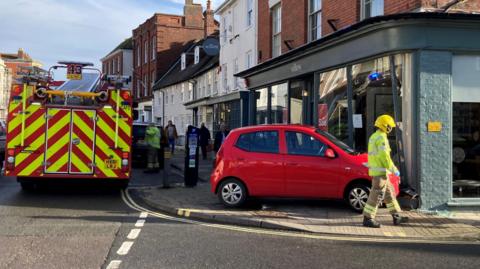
{"x": 422, "y": 69}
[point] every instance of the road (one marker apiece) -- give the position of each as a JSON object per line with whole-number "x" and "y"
{"x": 89, "y": 227}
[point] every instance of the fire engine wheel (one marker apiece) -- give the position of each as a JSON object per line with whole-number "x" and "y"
{"x": 28, "y": 186}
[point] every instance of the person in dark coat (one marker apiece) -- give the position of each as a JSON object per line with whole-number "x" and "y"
{"x": 220, "y": 137}
{"x": 204, "y": 140}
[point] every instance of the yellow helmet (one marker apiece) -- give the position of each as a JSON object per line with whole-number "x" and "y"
{"x": 385, "y": 123}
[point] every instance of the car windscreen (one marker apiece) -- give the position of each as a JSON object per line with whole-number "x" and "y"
{"x": 337, "y": 142}
{"x": 139, "y": 131}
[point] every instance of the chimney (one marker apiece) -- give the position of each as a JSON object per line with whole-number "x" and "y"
{"x": 193, "y": 14}
{"x": 208, "y": 20}
{"x": 21, "y": 53}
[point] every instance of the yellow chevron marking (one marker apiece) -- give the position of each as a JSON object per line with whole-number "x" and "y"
{"x": 51, "y": 150}
{"x": 82, "y": 125}
{"x": 34, "y": 146}
{"x": 121, "y": 123}
{"x": 58, "y": 164}
{"x": 82, "y": 167}
{"x": 32, "y": 166}
{"x": 111, "y": 133}
{"x": 13, "y": 106}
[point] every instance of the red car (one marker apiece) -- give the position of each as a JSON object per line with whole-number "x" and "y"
{"x": 289, "y": 161}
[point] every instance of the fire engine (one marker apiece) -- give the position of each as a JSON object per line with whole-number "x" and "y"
{"x": 69, "y": 134}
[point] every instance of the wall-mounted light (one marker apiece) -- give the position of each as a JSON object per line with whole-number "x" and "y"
{"x": 305, "y": 93}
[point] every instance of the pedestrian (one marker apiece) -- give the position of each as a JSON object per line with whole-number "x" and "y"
{"x": 152, "y": 137}
{"x": 172, "y": 135}
{"x": 204, "y": 140}
{"x": 380, "y": 165}
{"x": 220, "y": 137}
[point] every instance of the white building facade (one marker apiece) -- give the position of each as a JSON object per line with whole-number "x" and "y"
{"x": 238, "y": 52}
{"x": 5, "y": 86}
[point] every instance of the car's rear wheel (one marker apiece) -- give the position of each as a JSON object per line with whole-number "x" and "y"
{"x": 232, "y": 193}
{"x": 357, "y": 197}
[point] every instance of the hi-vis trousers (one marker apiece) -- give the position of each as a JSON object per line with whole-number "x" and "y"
{"x": 152, "y": 158}
{"x": 382, "y": 190}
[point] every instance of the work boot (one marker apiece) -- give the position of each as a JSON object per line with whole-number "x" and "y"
{"x": 367, "y": 222}
{"x": 397, "y": 219}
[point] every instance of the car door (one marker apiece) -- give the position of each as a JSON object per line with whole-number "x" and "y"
{"x": 259, "y": 163}
{"x": 308, "y": 173}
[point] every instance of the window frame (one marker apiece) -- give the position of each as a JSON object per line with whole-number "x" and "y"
{"x": 154, "y": 48}
{"x": 311, "y": 15}
{"x": 249, "y": 13}
{"x": 276, "y": 29}
{"x": 363, "y": 8}
{"x": 254, "y": 133}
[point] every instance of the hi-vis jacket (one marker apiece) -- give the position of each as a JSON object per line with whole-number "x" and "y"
{"x": 379, "y": 160}
{"x": 152, "y": 137}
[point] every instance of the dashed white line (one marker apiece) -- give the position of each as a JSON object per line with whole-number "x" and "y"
{"x": 125, "y": 248}
{"x": 143, "y": 215}
{"x": 115, "y": 264}
{"x": 133, "y": 234}
{"x": 140, "y": 223}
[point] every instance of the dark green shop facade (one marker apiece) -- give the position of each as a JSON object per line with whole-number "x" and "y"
{"x": 423, "y": 69}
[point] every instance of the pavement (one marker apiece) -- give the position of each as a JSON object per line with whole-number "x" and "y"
{"x": 310, "y": 216}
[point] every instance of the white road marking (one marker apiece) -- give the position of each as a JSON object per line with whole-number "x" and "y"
{"x": 140, "y": 223}
{"x": 125, "y": 248}
{"x": 143, "y": 215}
{"x": 133, "y": 234}
{"x": 130, "y": 203}
{"x": 115, "y": 264}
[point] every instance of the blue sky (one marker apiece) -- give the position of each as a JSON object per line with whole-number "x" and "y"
{"x": 81, "y": 30}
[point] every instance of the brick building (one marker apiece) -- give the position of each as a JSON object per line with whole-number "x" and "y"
{"x": 15, "y": 62}
{"x": 293, "y": 23}
{"x": 159, "y": 41}
{"x": 119, "y": 61}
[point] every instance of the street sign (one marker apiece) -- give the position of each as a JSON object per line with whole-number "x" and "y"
{"x": 74, "y": 71}
{"x": 211, "y": 46}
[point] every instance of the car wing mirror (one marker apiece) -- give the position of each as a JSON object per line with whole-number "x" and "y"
{"x": 329, "y": 153}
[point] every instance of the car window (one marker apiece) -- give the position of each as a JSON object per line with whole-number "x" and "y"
{"x": 304, "y": 144}
{"x": 265, "y": 142}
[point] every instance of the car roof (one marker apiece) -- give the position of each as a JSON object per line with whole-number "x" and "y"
{"x": 300, "y": 127}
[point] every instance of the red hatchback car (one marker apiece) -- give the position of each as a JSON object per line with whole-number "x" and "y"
{"x": 289, "y": 161}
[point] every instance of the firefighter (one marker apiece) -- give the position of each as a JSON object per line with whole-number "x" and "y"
{"x": 379, "y": 166}
{"x": 152, "y": 137}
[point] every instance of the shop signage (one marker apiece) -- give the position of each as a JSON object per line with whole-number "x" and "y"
{"x": 295, "y": 68}
{"x": 323, "y": 117}
{"x": 434, "y": 126}
{"x": 357, "y": 121}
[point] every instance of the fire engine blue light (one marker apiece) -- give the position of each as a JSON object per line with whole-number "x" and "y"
{"x": 375, "y": 76}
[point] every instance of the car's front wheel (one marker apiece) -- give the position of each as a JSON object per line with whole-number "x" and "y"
{"x": 357, "y": 197}
{"x": 232, "y": 193}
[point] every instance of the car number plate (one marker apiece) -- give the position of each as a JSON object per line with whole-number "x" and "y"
{"x": 111, "y": 164}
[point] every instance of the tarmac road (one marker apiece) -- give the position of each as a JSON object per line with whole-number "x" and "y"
{"x": 92, "y": 227}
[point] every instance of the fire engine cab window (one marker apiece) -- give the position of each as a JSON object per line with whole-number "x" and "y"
{"x": 303, "y": 144}
{"x": 264, "y": 142}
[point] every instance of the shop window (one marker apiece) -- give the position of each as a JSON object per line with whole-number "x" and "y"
{"x": 262, "y": 106}
{"x": 333, "y": 105}
{"x": 279, "y": 101}
{"x": 298, "y": 95}
{"x": 466, "y": 126}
